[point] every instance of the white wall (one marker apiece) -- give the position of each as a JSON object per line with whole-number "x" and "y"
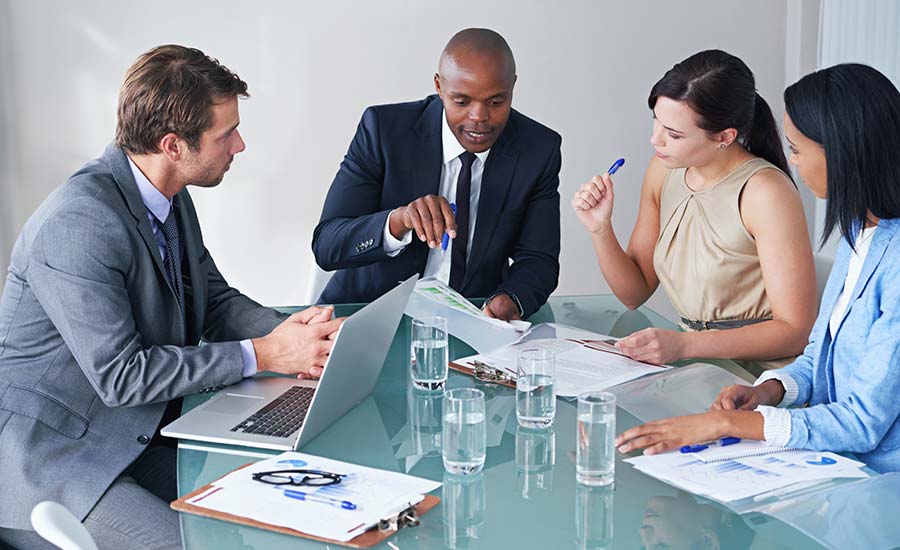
{"x": 585, "y": 69}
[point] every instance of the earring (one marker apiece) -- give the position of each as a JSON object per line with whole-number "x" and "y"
{"x": 722, "y": 146}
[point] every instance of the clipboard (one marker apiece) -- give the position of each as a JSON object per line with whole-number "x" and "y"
{"x": 370, "y": 538}
{"x": 458, "y": 366}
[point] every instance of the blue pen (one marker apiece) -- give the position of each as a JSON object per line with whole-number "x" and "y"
{"x": 615, "y": 166}
{"x": 300, "y": 495}
{"x": 445, "y": 240}
{"x": 724, "y": 442}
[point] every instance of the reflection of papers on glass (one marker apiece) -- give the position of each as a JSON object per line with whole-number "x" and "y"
{"x": 377, "y": 494}
{"x": 859, "y": 514}
{"x": 588, "y": 363}
{"x": 676, "y": 392}
{"x": 733, "y": 480}
{"x": 464, "y": 320}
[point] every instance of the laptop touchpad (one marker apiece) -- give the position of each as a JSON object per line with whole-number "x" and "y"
{"x": 234, "y": 404}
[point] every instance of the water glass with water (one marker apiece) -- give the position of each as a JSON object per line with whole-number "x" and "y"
{"x": 596, "y": 424}
{"x": 463, "y": 444}
{"x": 429, "y": 354}
{"x": 535, "y": 390}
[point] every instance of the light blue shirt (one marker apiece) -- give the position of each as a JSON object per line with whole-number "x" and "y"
{"x": 158, "y": 208}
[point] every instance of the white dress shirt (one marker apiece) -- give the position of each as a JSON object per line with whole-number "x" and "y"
{"x": 438, "y": 264}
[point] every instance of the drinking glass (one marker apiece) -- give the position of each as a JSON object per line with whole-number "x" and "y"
{"x": 596, "y": 431}
{"x": 464, "y": 436}
{"x": 535, "y": 390}
{"x": 429, "y": 353}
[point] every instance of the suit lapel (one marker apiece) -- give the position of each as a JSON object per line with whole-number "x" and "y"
{"x": 880, "y": 241}
{"x": 121, "y": 171}
{"x": 495, "y": 182}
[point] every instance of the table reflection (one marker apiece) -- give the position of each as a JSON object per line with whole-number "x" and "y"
{"x": 464, "y": 507}
{"x": 535, "y": 459}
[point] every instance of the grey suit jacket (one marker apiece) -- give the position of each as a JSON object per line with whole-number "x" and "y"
{"x": 93, "y": 343}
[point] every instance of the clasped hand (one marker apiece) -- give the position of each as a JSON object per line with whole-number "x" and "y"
{"x": 300, "y": 345}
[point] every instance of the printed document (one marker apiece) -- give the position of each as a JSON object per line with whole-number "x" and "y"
{"x": 732, "y": 480}
{"x": 464, "y": 320}
{"x": 584, "y": 361}
{"x": 377, "y": 494}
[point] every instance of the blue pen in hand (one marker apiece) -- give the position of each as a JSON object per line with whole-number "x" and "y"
{"x": 311, "y": 497}
{"x": 445, "y": 240}
{"x": 724, "y": 442}
{"x": 615, "y": 166}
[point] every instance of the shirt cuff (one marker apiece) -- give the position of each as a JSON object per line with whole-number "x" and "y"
{"x": 249, "y": 354}
{"x": 392, "y": 245}
{"x": 791, "y": 389}
{"x": 776, "y": 425}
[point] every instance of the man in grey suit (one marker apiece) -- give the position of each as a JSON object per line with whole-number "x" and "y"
{"x": 109, "y": 292}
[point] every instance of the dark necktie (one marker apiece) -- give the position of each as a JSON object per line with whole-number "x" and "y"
{"x": 461, "y": 242}
{"x": 173, "y": 254}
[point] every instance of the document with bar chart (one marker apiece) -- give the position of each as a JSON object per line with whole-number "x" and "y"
{"x": 732, "y": 480}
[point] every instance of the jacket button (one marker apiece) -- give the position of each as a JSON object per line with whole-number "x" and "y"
{"x": 143, "y": 439}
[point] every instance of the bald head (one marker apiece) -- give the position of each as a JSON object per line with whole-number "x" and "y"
{"x": 475, "y": 82}
{"x": 479, "y": 43}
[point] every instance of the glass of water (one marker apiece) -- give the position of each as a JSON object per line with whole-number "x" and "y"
{"x": 429, "y": 354}
{"x": 596, "y": 455}
{"x": 464, "y": 436}
{"x": 535, "y": 391}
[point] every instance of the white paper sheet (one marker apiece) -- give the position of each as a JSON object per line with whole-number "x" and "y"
{"x": 376, "y": 493}
{"x": 583, "y": 364}
{"x": 733, "y": 480}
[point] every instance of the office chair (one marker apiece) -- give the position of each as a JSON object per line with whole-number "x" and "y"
{"x": 59, "y": 527}
{"x": 317, "y": 279}
{"x": 823, "y": 265}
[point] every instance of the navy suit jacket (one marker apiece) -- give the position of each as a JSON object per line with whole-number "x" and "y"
{"x": 396, "y": 157}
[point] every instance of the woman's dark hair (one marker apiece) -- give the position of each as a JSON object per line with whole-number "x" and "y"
{"x": 853, "y": 111}
{"x": 721, "y": 90}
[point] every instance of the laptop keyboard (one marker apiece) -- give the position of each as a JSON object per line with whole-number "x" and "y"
{"x": 282, "y": 417}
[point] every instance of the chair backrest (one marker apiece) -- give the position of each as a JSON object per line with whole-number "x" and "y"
{"x": 823, "y": 269}
{"x": 59, "y": 527}
{"x": 318, "y": 278}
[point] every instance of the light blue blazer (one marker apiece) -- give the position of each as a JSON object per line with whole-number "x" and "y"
{"x": 851, "y": 380}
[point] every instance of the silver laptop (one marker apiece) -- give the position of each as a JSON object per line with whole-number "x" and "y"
{"x": 284, "y": 413}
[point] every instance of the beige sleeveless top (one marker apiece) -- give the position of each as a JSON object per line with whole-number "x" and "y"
{"x": 705, "y": 258}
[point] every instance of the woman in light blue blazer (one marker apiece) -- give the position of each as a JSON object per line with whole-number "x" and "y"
{"x": 843, "y": 125}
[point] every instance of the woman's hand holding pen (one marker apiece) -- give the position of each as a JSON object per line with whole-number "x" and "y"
{"x": 593, "y": 203}
{"x": 429, "y": 216}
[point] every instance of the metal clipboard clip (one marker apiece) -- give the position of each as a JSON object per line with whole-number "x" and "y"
{"x": 491, "y": 375}
{"x": 408, "y": 517}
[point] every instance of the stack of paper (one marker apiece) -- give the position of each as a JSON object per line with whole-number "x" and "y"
{"x": 376, "y": 494}
{"x": 739, "y": 478}
{"x": 584, "y": 361}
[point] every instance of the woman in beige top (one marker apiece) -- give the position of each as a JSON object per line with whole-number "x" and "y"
{"x": 721, "y": 225}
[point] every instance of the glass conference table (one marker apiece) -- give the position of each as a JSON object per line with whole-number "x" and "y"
{"x": 526, "y": 497}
